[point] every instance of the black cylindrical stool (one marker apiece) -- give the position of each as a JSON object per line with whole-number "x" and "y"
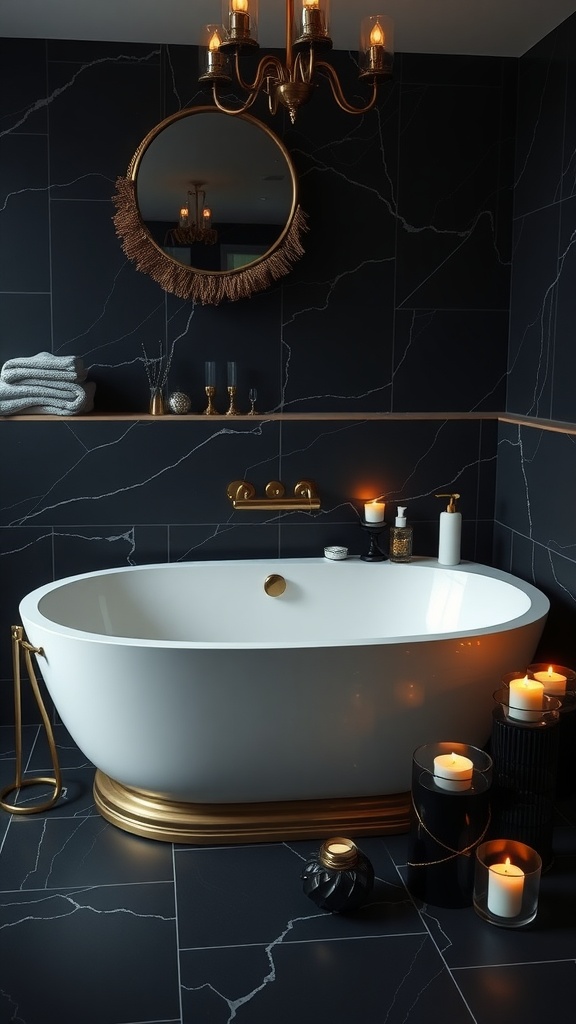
{"x": 449, "y": 819}
{"x": 525, "y": 755}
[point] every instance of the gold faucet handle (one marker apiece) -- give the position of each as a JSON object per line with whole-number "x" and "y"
{"x": 305, "y": 489}
{"x": 275, "y": 489}
{"x": 240, "y": 490}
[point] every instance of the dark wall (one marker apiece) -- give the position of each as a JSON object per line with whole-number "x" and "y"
{"x": 400, "y": 305}
{"x": 535, "y": 533}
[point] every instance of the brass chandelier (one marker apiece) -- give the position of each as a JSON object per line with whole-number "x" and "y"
{"x": 290, "y": 81}
{"x": 195, "y": 220}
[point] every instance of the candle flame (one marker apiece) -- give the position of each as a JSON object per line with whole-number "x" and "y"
{"x": 240, "y": 5}
{"x": 311, "y": 3}
{"x": 377, "y": 35}
{"x": 214, "y": 43}
{"x": 550, "y": 670}
{"x": 506, "y": 863}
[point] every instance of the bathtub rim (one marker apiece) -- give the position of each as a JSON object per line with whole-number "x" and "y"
{"x": 538, "y": 610}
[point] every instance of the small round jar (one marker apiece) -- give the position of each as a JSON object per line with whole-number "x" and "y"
{"x": 335, "y": 553}
{"x": 339, "y": 878}
{"x": 179, "y": 403}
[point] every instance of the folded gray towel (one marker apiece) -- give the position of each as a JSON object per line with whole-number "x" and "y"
{"x": 61, "y": 400}
{"x": 43, "y": 367}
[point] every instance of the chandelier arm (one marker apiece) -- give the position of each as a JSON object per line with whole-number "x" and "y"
{"x": 300, "y": 71}
{"x": 269, "y": 62}
{"x": 232, "y": 110}
{"x": 332, "y": 77}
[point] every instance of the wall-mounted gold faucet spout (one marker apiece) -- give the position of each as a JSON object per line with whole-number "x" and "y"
{"x": 242, "y": 494}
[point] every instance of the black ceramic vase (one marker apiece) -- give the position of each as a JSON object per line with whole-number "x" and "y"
{"x": 339, "y": 878}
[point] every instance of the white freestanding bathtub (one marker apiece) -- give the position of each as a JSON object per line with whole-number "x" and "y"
{"x": 214, "y": 711}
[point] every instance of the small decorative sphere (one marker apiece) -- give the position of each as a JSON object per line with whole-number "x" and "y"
{"x": 179, "y": 403}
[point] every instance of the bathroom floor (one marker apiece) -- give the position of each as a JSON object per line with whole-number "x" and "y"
{"x": 101, "y": 927}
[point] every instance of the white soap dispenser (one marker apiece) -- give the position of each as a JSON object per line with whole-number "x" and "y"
{"x": 450, "y": 535}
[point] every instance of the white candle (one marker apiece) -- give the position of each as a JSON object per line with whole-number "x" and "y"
{"x": 526, "y": 697}
{"x": 339, "y": 847}
{"x": 453, "y": 772}
{"x": 505, "y": 888}
{"x": 374, "y": 511}
{"x": 554, "y": 682}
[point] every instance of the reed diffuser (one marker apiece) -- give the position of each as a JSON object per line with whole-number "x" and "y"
{"x": 157, "y": 371}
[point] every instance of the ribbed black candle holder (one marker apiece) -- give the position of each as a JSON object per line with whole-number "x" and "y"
{"x": 446, "y": 826}
{"x": 566, "y": 775}
{"x": 525, "y": 756}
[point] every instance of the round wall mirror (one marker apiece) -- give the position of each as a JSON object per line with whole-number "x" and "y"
{"x": 209, "y": 206}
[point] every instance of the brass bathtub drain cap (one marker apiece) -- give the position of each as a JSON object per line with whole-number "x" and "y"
{"x": 274, "y": 585}
{"x": 338, "y": 853}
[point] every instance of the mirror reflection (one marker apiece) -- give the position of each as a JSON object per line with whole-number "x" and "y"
{"x": 215, "y": 193}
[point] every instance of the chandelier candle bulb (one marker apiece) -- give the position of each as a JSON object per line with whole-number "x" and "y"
{"x": 526, "y": 699}
{"x": 313, "y": 22}
{"x": 374, "y": 511}
{"x": 505, "y": 889}
{"x": 554, "y": 682}
{"x": 453, "y": 772}
{"x": 216, "y": 61}
{"x": 239, "y": 20}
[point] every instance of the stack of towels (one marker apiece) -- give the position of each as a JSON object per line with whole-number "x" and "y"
{"x": 45, "y": 385}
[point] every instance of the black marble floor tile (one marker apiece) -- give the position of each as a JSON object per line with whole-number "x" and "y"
{"x": 103, "y": 927}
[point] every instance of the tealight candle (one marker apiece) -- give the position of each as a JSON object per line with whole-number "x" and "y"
{"x": 453, "y": 772}
{"x": 526, "y": 698}
{"x": 505, "y": 889}
{"x": 554, "y": 682}
{"x": 374, "y": 511}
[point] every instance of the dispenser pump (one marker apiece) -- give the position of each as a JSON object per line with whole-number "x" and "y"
{"x": 451, "y": 506}
{"x": 450, "y": 534}
{"x": 401, "y": 517}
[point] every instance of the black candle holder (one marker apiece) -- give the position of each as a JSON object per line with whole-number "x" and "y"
{"x": 374, "y": 553}
{"x": 447, "y": 824}
{"x": 566, "y": 779}
{"x": 339, "y": 878}
{"x": 525, "y": 756}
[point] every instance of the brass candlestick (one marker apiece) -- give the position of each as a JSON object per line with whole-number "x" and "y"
{"x": 232, "y": 410}
{"x": 210, "y": 409}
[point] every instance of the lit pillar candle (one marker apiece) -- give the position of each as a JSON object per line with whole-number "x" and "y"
{"x": 526, "y": 698}
{"x": 453, "y": 772}
{"x": 374, "y": 511}
{"x": 505, "y": 889}
{"x": 554, "y": 682}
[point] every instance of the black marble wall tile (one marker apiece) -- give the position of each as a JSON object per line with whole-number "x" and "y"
{"x": 534, "y": 530}
{"x": 563, "y": 399}
{"x": 464, "y": 360}
{"x": 533, "y": 312}
{"x": 540, "y": 126}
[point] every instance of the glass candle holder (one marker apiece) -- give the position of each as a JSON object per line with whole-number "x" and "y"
{"x": 450, "y": 816}
{"x": 507, "y": 882}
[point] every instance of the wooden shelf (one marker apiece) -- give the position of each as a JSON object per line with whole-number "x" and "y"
{"x": 557, "y": 426}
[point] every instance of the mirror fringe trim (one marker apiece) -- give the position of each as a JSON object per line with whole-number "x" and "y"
{"x": 183, "y": 281}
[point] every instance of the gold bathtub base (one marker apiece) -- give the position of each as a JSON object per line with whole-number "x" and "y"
{"x": 155, "y": 817}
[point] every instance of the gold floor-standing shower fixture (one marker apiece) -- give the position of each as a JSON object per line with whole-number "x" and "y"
{"x": 19, "y": 646}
